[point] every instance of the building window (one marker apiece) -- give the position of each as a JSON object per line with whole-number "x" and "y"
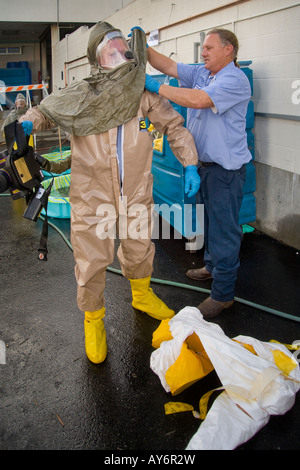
{"x": 10, "y": 50}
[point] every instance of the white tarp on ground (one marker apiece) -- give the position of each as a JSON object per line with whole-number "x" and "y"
{"x": 260, "y": 379}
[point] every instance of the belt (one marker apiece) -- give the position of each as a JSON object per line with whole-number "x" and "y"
{"x": 204, "y": 164}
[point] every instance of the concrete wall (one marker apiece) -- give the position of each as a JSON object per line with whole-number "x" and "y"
{"x": 278, "y": 207}
{"x": 69, "y": 58}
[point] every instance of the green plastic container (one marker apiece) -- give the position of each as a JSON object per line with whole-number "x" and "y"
{"x": 58, "y": 201}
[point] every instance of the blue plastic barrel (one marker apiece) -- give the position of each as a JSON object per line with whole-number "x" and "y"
{"x": 23, "y": 64}
{"x": 12, "y": 65}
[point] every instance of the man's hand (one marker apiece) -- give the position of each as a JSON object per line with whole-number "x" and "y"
{"x": 192, "y": 180}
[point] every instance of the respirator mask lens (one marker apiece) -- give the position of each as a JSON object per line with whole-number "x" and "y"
{"x": 113, "y": 51}
{"x": 20, "y": 104}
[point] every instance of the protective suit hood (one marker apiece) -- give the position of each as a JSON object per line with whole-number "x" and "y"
{"x": 106, "y": 99}
{"x": 20, "y": 97}
{"x": 15, "y": 113}
{"x": 97, "y": 35}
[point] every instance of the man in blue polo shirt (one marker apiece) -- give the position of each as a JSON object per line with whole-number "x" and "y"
{"x": 216, "y": 94}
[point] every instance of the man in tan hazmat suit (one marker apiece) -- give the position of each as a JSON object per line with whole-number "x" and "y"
{"x": 18, "y": 110}
{"x": 111, "y": 165}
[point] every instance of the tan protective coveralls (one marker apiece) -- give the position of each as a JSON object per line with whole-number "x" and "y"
{"x": 96, "y": 181}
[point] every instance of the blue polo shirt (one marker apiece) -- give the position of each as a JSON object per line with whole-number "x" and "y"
{"x": 220, "y": 132}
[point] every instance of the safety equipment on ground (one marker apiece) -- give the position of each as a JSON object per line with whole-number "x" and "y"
{"x": 259, "y": 379}
{"x": 113, "y": 51}
{"x": 95, "y": 336}
{"x": 151, "y": 84}
{"x": 192, "y": 363}
{"x": 27, "y": 127}
{"x": 144, "y": 299}
{"x": 107, "y": 98}
{"x": 192, "y": 180}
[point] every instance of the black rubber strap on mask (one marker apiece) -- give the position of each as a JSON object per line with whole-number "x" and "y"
{"x": 14, "y": 133}
{"x": 42, "y": 250}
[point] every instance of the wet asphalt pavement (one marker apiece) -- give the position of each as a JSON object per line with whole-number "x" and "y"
{"x": 54, "y": 398}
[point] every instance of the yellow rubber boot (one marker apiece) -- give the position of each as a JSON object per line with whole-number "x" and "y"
{"x": 144, "y": 299}
{"x": 95, "y": 336}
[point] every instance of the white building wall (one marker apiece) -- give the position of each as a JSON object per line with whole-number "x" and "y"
{"x": 269, "y": 35}
{"x": 70, "y": 58}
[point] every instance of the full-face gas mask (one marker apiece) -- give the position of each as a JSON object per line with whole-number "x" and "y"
{"x": 113, "y": 51}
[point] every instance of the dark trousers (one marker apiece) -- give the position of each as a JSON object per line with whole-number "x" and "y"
{"x": 221, "y": 192}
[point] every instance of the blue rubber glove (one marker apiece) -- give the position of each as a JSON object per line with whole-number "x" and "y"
{"x": 27, "y": 127}
{"x": 151, "y": 84}
{"x": 192, "y": 180}
{"x": 136, "y": 27}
